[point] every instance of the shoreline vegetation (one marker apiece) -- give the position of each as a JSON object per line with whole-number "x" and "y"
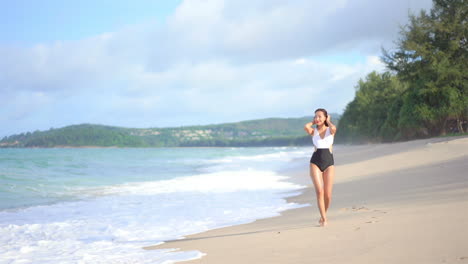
{"x": 252, "y": 133}
{"x": 424, "y": 92}
{"x": 458, "y": 135}
{"x": 46, "y": 139}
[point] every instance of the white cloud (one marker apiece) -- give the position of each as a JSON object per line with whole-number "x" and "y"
{"x": 211, "y": 61}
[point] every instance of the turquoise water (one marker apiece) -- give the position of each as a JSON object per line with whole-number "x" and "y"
{"x": 41, "y": 176}
{"x": 102, "y": 205}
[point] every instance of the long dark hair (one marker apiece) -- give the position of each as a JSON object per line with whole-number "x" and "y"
{"x": 324, "y": 112}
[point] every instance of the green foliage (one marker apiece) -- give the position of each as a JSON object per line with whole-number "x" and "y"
{"x": 425, "y": 94}
{"x": 263, "y": 132}
{"x": 432, "y": 58}
{"x": 77, "y": 136}
{"x": 369, "y": 115}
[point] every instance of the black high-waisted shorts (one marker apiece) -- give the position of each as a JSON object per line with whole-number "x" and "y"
{"x": 323, "y": 158}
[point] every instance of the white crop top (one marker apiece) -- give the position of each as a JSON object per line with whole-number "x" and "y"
{"x": 320, "y": 143}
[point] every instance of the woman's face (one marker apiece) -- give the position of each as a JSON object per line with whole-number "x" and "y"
{"x": 319, "y": 118}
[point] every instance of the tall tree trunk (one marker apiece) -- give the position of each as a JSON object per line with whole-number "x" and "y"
{"x": 460, "y": 126}
{"x": 443, "y": 130}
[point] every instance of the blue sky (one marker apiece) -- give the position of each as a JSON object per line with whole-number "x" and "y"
{"x": 192, "y": 62}
{"x": 26, "y": 22}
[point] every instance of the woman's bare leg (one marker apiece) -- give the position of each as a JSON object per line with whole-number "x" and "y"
{"x": 316, "y": 176}
{"x": 328, "y": 176}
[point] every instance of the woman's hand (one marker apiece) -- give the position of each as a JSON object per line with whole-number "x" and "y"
{"x": 331, "y": 125}
{"x": 308, "y": 127}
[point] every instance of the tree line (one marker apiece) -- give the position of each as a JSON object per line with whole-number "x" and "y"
{"x": 423, "y": 93}
{"x": 255, "y": 133}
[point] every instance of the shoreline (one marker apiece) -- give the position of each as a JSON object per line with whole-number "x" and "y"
{"x": 385, "y": 197}
{"x": 433, "y": 139}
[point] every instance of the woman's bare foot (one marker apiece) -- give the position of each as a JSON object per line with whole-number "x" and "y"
{"x": 320, "y": 221}
{"x": 323, "y": 222}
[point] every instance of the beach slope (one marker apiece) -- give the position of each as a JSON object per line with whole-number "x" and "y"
{"x": 392, "y": 203}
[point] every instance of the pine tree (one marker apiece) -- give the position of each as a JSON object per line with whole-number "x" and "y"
{"x": 432, "y": 57}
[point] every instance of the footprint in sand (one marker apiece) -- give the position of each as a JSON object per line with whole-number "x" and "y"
{"x": 377, "y": 210}
{"x": 373, "y": 220}
{"x": 355, "y": 208}
{"x": 361, "y": 208}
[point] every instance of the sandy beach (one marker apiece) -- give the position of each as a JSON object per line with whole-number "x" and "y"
{"x": 403, "y": 202}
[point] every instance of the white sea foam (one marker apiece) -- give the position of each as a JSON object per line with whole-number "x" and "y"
{"x": 269, "y": 161}
{"x": 228, "y": 181}
{"x": 112, "y": 224}
{"x": 277, "y": 156}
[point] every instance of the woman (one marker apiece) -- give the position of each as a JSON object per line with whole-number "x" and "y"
{"x": 322, "y": 169}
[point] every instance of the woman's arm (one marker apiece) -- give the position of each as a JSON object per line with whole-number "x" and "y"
{"x": 308, "y": 128}
{"x": 331, "y": 125}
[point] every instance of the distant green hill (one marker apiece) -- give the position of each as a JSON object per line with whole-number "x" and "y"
{"x": 261, "y": 132}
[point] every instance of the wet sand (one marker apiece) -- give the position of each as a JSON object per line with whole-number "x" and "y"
{"x": 392, "y": 203}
